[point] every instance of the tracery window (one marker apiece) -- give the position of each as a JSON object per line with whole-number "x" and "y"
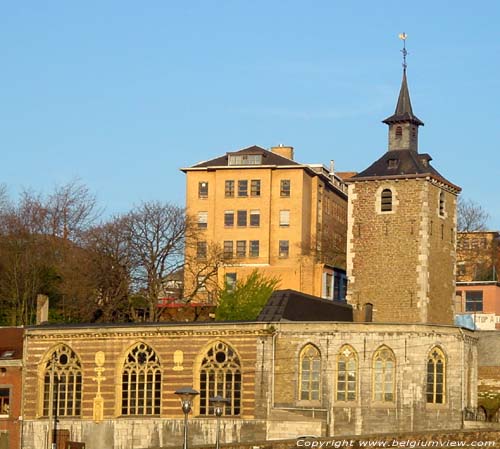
{"x": 141, "y": 382}
{"x": 220, "y": 374}
{"x": 386, "y": 200}
{"x": 347, "y": 374}
{"x": 62, "y": 383}
{"x": 310, "y": 373}
{"x": 436, "y": 379}
{"x": 384, "y": 373}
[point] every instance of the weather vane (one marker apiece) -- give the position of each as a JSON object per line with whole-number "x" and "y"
{"x": 403, "y": 37}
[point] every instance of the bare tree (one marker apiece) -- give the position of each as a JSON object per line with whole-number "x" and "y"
{"x": 471, "y": 216}
{"x": 156, "y": 234}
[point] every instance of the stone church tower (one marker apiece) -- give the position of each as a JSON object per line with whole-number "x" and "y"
{"x": 402, "y": 230}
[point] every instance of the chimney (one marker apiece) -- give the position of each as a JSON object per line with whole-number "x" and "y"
{"x": 42, "y": 309}
{"x": 284, "y": 151}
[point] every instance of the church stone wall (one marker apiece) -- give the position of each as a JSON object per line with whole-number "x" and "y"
{"x": 401, "y": 261}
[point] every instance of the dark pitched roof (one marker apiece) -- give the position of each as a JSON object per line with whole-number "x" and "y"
{"x": 401, "y": 163}
{"x": 404, "y": 112}
{"x": 11, "y": 343}
{"x": 268, "y": 158}
{"x": 291, "y": 305}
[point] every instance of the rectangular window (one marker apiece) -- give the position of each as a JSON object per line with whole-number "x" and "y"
{"x": 284, "y": 218}
{"x": 202, "y": 220}
{"x": 254, "y": 248}
{"x": 241, "y": 248}
{"x": 245, "y": 159}
{"x": 474, "y": 301}
{"x": 228, "y": 249}
{"x": 243, "y": 188}
{"x": 242, "y": 218}
{"x": 201, "y": 250}
{"x": 328, "y": 288}
{"x": 255, "y": 218}
{"x": 284, "y": 248}
{"x": 229, "y": 218}
{"x": 201, "y": 279}
{"x": 4, "y": 401}
{"x": 255, "y": 187}
{"x": 229, "y": 189}
{"x": 285, "y": 188}
{"x": 230, "y": 280}
{"x": 203, "y": 189}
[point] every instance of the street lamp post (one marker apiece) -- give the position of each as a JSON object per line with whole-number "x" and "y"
{"x": 186, "y": 395}
{"x": 219, "y": 403}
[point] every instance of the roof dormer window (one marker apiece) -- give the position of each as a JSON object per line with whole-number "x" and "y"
{"x": 245, "y": 159}
{"x": 392, "y": 163}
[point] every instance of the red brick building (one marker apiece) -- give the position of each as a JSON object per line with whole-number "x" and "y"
{"x": 11, "y": 355}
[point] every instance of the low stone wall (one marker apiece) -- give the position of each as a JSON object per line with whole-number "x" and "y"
{"x": 480, "y": 437}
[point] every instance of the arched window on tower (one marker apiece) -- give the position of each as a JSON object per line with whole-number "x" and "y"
{"x": 310, "y": 373}
{"x": 399, "y": 132}
{"x": 368, "y": 312}
{"x": 436, "y": 376}
{"x": 62, "y": 383}
{"x": 384, "y": 374}
{"x": 141, "y": 382}
{"x": 347, "y": 374}
{"x": 220, "y": 374}
{"x": 441, "y": 203}
{"x": 386, "y": 200}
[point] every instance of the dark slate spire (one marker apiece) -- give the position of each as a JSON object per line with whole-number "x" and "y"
{"x": 404, "y": 112}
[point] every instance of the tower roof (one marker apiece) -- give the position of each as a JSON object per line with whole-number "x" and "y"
{"x": 403, "y": 112}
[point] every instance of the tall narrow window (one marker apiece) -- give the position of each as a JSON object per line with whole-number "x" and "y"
{"x": 436, "y": 381}
{"x": 284, "y": 218}
{"x": 230, "y": 280}
{"x": 228, "y": 249}
{"x": 4, "y": 401}
{"x": 141, "y": 382}
{"x": 62, "y": 382}
{"x": 201, "y": 250}
{"x": 220, "y": 374}
{"x": 228, "y": 218}
{"x": 386, "y": 200}
{"x": 285, "y": 188}
{"x": 284, "y": 249}
{"x": 255, "y": 218}
{"x": 241, "y": 248}
{"x": 254, "y": 248}
{"x": 203, "y": 189}
{"x": 441, "y": 203}
{"x": 229, "y": 188}
{"x": 242, "y": 218}
{"x": 399, "y": 132}
{"x": 384, "y": 373}
{"x": 255, "y": 187}
{"x": 243, "y": 188}
{"x": 310, "y": 373}
{"x": 368, "y": 312}
{"x": 202, "y": 220}
{"x": 347, "y": 374}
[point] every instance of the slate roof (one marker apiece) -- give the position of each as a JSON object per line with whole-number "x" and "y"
{"x": 291, "y": 305}
{"x": 403, "y": 112}
{"x": 11, "y": 343}
{"x": 401, "y": 163}
{"x": 268, "y": 158}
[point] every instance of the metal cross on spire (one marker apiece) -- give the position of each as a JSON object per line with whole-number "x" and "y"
{"x": 403, "y": 36}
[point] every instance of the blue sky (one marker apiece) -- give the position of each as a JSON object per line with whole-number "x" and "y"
{"x": 121, "y": 94}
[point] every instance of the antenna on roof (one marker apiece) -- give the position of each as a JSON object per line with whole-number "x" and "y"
{"x": 403, "y": 36}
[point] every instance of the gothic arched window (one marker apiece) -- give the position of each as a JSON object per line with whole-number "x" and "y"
{"x": 62, "y": 383}
{"x": 347, "y": 374}
{"x": 310, "y": 373}
{"x": 384, "y": 374}
{"x": 220, "y": 374}
{"x": 386, "y": 200}
{"x": 141, "y": 382}
{"x": 436, "y": 376}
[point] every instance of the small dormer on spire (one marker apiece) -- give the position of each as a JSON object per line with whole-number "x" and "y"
{"x": 403, "y": 124}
